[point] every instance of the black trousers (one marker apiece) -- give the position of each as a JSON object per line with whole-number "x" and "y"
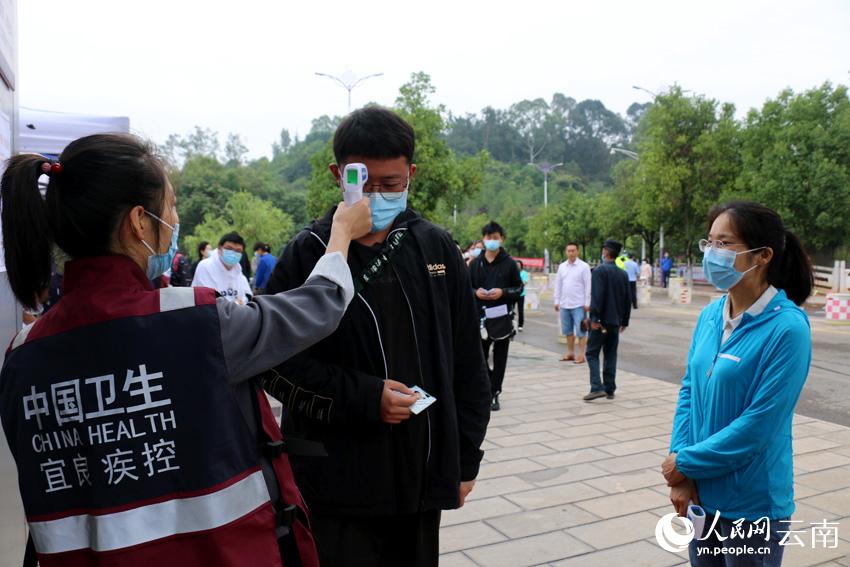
{"x": 500, "y": 362}
{"x": 605, "y": 340}
{"x": 633, "y": 293}
{"x": 520, "y": 306}
{"x": 378, "y": 541}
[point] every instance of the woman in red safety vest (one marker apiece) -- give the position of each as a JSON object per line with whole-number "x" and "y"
{"x": 138, "y": 434}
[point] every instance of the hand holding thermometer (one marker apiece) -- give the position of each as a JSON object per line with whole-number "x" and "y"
{"x": 354, "y": 177}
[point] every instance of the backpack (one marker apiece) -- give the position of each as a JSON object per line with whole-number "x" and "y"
{"x": 180, "y": 268}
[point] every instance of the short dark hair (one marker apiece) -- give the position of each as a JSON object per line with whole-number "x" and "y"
{"x": 613, "y": 247}
{"x": 102, "y": 176}
{"x": 571, "y": 244}
{"x": 374, "y": 132}
{"x": 492, "y": 227}
{"x": 202, "y": 245}
{"x": 232, "y": 237}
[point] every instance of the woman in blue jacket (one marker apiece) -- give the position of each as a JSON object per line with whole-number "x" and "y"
{"x": 749, "y": 359}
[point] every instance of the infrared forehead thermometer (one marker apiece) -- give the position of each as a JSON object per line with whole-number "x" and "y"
{"x": 354, "y": 177}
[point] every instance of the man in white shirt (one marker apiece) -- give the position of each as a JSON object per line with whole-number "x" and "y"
{"x": 633, "y": 271}
{"x": 572, "y": 301}
{"x": 222, "y": 271}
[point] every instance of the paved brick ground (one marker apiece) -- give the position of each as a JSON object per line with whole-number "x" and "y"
{"x": 570, "y": 483}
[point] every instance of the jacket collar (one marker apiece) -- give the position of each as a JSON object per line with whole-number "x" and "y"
{"x": 498, "y": 259}
{"x": 777, "y": 304}
{"x": 322, "y": 227}
{"x": 98, "y": 271}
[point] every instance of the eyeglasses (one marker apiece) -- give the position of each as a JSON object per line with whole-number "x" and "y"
{"x": 716, "y": 244}
{"x": 391, "y": 190}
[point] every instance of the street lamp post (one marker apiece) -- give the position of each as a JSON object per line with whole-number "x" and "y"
{"x": 637, "y": 88}
{"x": 625, "y": 152}
{"x": 633, "y": 155}
{"x": 348, "y": 81}
{"x": 546, "y": 167}
{"x": 661, "y": 228}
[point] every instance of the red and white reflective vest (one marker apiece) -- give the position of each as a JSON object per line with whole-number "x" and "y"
{"x": 130, "y": 446}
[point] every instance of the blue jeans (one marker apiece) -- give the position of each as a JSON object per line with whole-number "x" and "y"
{"x": 765, "y": 553}
{"x": 607, "y": 343}
{"x": 571, "y": 321}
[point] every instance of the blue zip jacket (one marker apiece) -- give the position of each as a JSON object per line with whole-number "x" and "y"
{"x": 264, "y": 270}
{"x": 732, "y": 429}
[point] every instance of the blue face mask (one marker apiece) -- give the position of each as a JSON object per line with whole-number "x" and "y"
{"x": 719, "y": 267}
{"x": 476, "y": 252}
{"x": 384, "y": 211}
{"x": 230, "y": 257}
{"x": 492, "y": 245}
{"x": 158, "y": 264}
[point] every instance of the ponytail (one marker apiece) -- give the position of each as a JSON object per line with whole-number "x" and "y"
{"x": 26, "y": 231}
{"x": 795, "y": 274}
{"x": 759, "y": 226}
{"x": 99, "y": 178}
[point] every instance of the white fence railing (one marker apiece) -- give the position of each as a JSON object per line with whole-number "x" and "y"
{"x": 835, "y": 279}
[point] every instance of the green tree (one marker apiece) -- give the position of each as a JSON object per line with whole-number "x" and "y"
{"x": 796, "y": 159}
{"x": 546, "y": 230}
{"x": 201, "y": 186}
{"x": 199, "y": 142}
{"x": 439, "y": 175}
{"x": 234, "y": 151}
{"x": 322, "y": 190}
{"x": 580, "y": 220}
{"x": 253, "y": 218}
{"x": 688, "y": 156}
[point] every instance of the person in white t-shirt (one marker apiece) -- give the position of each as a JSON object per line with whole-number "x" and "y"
{"x": 572, "y": 301}
{"x": 222, "y": 271}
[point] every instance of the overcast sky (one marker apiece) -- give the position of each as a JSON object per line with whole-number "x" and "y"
{"x": 248, "y": 67}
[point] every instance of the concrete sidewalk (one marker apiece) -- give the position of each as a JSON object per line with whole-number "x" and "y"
{"x": 570, "y": 483}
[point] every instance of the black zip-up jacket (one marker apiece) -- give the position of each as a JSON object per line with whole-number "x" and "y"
{"x": 610, "y": 298}
{"x": 502, "y": 273}
{"x": 332, "y": 391}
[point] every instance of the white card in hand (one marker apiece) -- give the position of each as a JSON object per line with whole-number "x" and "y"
{"x": 494, "y": 312}
{"x": 425, "y": 400}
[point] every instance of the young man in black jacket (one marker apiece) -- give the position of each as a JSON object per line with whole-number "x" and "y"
{"x": 495, "y": 278}
{"x": 376, "y": 498}
{"x": 610, "y": 309}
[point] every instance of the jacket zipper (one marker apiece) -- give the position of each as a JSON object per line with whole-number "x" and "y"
{"x": 374, "y": 318}
{"x": 415, "y": 342}
{"x": 418, "y": 358}
{"x": 421, "y": 374}
{"x": 721, "y": 344}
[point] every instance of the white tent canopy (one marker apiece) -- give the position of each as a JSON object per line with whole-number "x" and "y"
{"x": 47, "y": 132}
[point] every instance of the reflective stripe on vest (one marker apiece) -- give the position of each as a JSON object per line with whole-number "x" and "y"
{"x": 109, "y": 532}
{"x": 130, "y": 447}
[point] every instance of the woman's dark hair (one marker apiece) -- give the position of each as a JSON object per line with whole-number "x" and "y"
{"x": 376, "y": 133}
{"x": 521, "y": 265}
{"x": 758, "y": 226}
{"x": 201, "y": 247}
{"x": 101, "y": 178}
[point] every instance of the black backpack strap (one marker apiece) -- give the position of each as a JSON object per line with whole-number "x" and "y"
{"x": 376, "y": 267}
{"x": 30, "y": 557}
{"x": 293, "y": 446}
{"x": 285, "y": 514}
